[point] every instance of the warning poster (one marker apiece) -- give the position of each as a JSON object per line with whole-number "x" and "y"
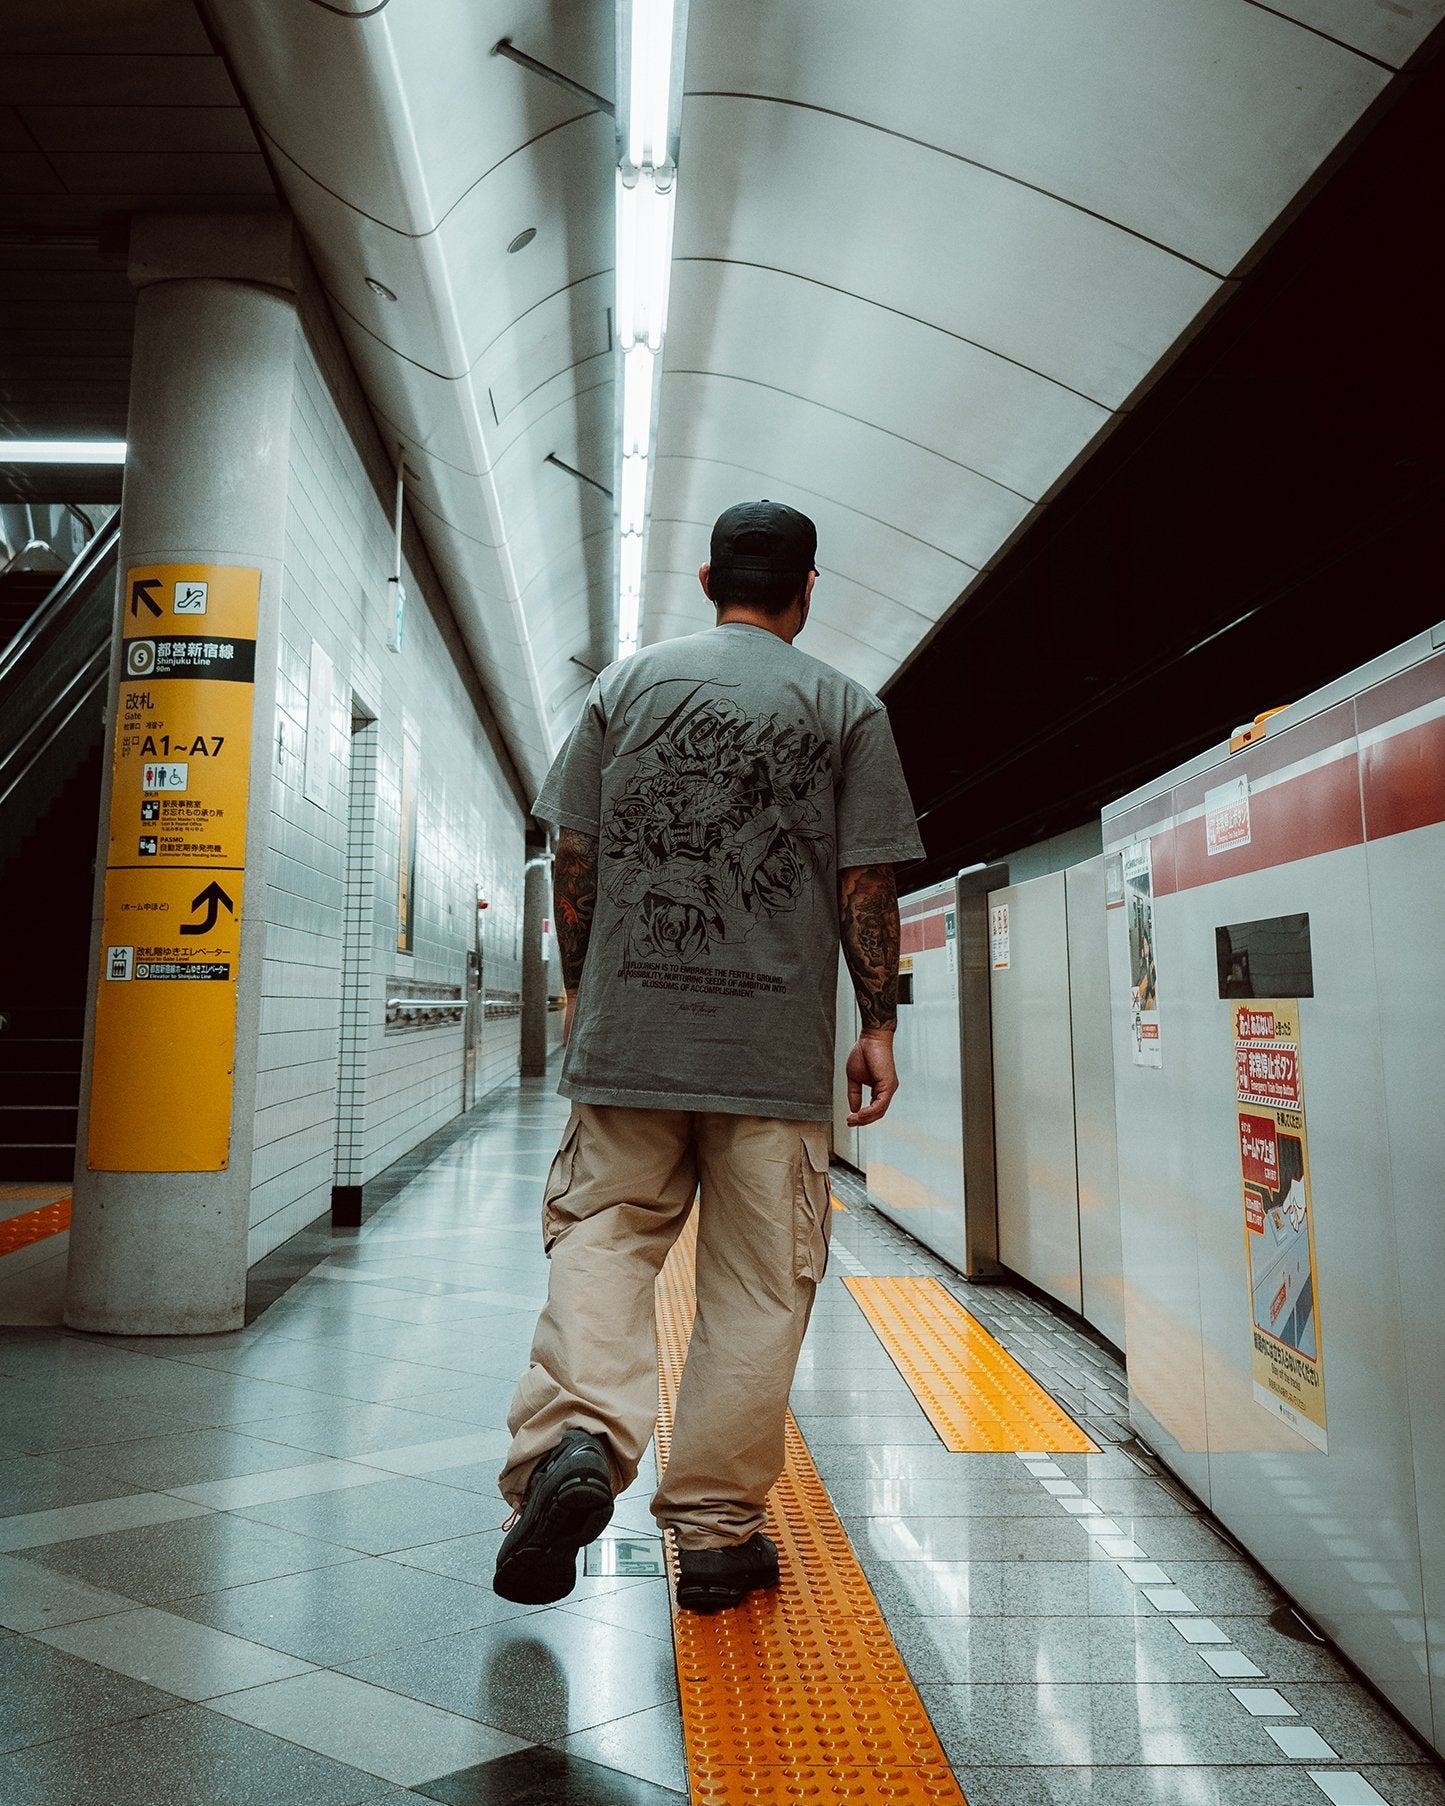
{"x": 1279, "y": 1239}
{"x": 1143, "y": 975}
{"x": 165, "y": 1024}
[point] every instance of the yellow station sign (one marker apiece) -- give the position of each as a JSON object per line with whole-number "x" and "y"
{"x": 165, "y": 1025}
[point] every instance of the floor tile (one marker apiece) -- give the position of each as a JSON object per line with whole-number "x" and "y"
{"x": 68, "y": 1420}
{"x": 165, "y": 1463}
{"x": 189, "y": 1660}
{"x": 68, "y": 1523}
{"x": 278, "y": 1483}
{"x": 645, "y": 1608}
{"x": 542, "y": 1676}
{"x": 355, "y": 1428}
{"x": 189, "y": 1757}
{"x": 1056, "y": 1650}
{"x": 384, "y": 1733}
{"x": 163, "y": 1562}
{"x": 45, "y": 1693}
{"x": 546, "y": 1777}
{"x": 393, "y": 1514}
{"x": 33, "y": 1598}
{"x": 336, "y": 1615}
{"x": 446, "y": 1453}
{"x": 646, "y": 1744}
{"x": 31, "y": 1483}
{"x": 1141, "y": 1786}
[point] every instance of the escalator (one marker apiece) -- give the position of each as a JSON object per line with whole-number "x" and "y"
{"x": 54, "y": 662}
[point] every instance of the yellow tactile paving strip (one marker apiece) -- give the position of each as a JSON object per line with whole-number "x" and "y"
{"x": 34, "y": 1226}
{"x": 973, "y": 1392}
{"x": 798, "y": 1694}
{"x": 836, "y": 1201}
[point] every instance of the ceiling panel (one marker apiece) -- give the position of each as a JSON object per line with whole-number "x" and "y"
{"x": 866, "y": 362}
{"x": 1192, "y": 124}
{"x": 1388, "y": 30}
{"x": 854, "y": 464}
{"x": 457, "y": 287}
{"x": 452, "y": 111}
{"x": 960, "y": 248}
{"x": 870, "y": 552}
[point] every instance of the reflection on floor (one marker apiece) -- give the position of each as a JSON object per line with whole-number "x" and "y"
{"x": 253, "y": 1570}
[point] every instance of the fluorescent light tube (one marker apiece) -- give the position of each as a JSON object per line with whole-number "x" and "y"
{"x": 636, "y": 404}
{"x": 656, "y": 276}
{"x": 62, "y": 451}
{"x": 649, "y": 88}
{"x": 629, "y": 623}
{"x": 631, "y": 562}
{"x": 627, "y": 203}
{"x": 644, "y": 258}
{"x": 632, "y": 504}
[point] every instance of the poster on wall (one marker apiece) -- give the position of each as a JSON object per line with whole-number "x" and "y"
{"x": 1143, "y": 977}
{"x": 406, "y": 861}
{"x": 1279, "y": 1235}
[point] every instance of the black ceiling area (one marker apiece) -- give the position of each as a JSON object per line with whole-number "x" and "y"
{"x": 1268, "y": 518}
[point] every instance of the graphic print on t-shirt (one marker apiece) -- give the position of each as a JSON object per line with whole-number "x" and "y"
{"x": 715, "y": 831}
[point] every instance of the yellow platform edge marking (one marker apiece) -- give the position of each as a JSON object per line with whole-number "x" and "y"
{"x": 34, "y": 1226}
{"x": 799, "y": 1693}
{"x": 836, "y": 1201}
{"x": 973, "y": 1392}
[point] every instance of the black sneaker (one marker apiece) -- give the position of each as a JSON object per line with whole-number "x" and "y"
{"x": 711, "y": 1580}
{"x": 568, "y": 1503}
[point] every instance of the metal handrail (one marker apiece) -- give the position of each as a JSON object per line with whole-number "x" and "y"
{"x": 83, "y": 568}
{"x": 100, "y": 658}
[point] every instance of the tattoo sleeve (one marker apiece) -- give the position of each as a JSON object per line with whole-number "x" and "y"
{"x": 868, "y": 921}
{"x": 574, "y": 897}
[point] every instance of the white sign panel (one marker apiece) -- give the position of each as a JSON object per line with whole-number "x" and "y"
{"x": 998, "y": 937}
{"x": 1226, "y": 816}
{"x": 316, "y": 781}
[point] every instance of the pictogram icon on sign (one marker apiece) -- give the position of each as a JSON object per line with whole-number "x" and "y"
{"x": 213, "y": 899}
{"x": 190, "y": 598}
{"x": 118, "y": 962}
{"x": 140, "y": 593}
{"x": 140, "y": 658}
{"x": 165, "y": 775}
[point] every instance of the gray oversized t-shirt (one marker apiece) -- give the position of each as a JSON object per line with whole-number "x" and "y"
{"x": 726, "y": 776}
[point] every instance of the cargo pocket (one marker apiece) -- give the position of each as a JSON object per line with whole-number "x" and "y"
{"x": 559, "y": 1183}
{"x": 812, "y": 1211}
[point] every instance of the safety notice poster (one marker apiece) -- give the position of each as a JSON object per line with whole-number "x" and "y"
{"x": 165, "y": 1024}
{"x": 1143, "y": 973}
{"x": 1279, "y": 1236}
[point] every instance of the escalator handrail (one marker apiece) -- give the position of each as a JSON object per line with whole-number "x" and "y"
{"x": 84, "y": 567}
{"x": 96, "y": 669}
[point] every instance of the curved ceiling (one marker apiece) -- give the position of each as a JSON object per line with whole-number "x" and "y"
{"x": 923, "y": 260}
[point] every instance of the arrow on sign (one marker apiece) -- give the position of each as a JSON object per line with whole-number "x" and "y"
{"x": 213, "y": 900}
{"x": 140, "y": 591}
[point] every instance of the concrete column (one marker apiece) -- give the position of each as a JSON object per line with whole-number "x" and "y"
{"x": 209, "y": 438}
{"x": 536, "y": 907}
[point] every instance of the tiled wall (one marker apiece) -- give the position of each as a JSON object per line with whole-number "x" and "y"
{"x": 339, "y": 1098}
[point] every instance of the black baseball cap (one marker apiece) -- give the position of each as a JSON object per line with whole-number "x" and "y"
{"x": 764, "y": 536}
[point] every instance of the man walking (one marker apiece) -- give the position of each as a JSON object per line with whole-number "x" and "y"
{"x": 728, "y": 809}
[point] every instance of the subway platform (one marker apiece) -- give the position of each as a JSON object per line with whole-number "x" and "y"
{"x": 254, "y": 1569}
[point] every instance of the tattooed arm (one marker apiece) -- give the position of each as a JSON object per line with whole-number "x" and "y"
{"x": 868, "y": 922}
{"x": 574, "y": 897}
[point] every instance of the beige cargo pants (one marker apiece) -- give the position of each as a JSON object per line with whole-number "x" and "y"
{"x": 619, "y": 1191}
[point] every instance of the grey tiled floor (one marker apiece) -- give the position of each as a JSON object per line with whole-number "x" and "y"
{"x": 254, "y": 1569}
